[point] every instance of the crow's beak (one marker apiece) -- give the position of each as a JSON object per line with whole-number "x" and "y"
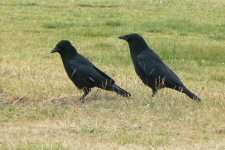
{"x": 122, "y": 37}
{"x": 54, "y": 50}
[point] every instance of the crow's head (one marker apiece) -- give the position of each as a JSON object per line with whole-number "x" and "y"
{"x": 62, "y": 47}
{"x": 131, "y": 37}
{"x": 135, "y": 41}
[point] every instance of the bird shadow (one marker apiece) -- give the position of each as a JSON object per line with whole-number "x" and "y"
{"x": 75, "y": 100}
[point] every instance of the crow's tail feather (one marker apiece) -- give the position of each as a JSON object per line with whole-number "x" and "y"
{"x": 191, "y": 95}
{"x": 120, "y": 91}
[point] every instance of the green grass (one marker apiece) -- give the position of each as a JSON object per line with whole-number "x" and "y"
{"x": 57, "y": 25}
{"x": 40, "y": 107}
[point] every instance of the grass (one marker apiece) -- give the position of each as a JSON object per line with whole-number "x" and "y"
{"x": 39, "y": 106}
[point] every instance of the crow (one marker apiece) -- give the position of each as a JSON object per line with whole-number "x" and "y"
{"x": 151, "y": 69}
{"x": 83, "y": 73}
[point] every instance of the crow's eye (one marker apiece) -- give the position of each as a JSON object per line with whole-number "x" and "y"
{"x": 59, "y": 47}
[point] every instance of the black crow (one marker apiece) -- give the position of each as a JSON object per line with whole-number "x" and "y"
{"x": 151, "y": 69}
{"x": 83, "y": 73}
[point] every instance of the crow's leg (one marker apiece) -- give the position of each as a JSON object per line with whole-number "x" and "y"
{"x": 154, "y": 91}
{"x": 86, "y": 91}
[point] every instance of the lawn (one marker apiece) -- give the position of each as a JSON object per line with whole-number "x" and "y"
{"x": 40, "y": 107}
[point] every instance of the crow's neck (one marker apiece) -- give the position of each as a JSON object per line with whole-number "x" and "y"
{"x": 138, "y": 47}
{"x": 66, "y": 57}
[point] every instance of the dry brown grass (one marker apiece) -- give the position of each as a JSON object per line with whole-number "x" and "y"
{"x": 107, "y": 121}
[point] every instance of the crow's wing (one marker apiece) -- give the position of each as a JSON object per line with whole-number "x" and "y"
{"x": 88, "y": 72}
{"x": 154, "y": 67}
{"x": 104, "y": 74}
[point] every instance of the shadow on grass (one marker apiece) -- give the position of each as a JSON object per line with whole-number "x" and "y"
{"x": 97, "y": 6}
